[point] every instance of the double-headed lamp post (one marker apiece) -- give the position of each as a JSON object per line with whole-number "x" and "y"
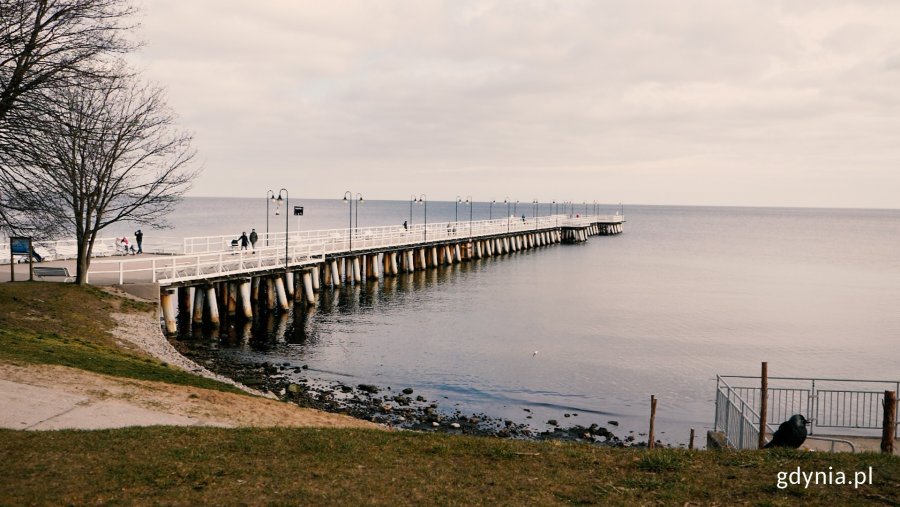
{"x": 282, "y": 199}
{"x": 348, "y": 198}
{"x": 536, "y": 205}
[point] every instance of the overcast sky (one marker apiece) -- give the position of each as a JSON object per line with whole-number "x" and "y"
{"x": 710, "y": 102}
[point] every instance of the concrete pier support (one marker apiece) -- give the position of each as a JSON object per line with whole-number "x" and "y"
{"x": 357, "y": 276}
{"x": 308, "y": 288}
{"x": 167, "y": 301}
{"x": 422, "y": 263}
{"x": 270, "y": 293}
{"x": 231, "y": 299}
{"x": 184, "y": 303}
{"x": 395, "y": 268}
{"x": 457, "y": 254}
{"x": 289, "y": 283}
{"x": 246, "y": 304}
{"x": 212, "y": 305}
{"x": 335, "y": 273}
{"x": 254, "y": 289}
{"x": 315, "y": 278}
{"x": 198, "y": 306}
{"x": 281, "y": 293}
{"x": 434, "y": 256}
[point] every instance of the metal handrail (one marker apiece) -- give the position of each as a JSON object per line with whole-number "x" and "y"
{"x": 745, "y": 406}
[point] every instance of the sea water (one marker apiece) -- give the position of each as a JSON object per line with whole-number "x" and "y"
{"x": 593, "y": 329}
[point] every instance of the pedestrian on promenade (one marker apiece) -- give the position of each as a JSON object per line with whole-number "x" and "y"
{"x": 244, "y": 240}
{"x": 405, "y": 227}
{"x": 253, "y": 238}
{"x": 139, "y": 238}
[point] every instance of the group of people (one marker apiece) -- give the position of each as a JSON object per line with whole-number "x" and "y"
{"x": 244, "y": 241}
{"x": 128, "y": 248}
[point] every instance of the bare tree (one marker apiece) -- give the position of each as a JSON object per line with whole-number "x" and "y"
{"x": 94, "y": 156}
{"x": 44, "y": 44}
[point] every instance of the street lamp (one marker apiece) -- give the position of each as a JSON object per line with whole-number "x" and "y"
{"x": 470, "y": 202}
{"x": 456, "y": 205}
{"x": 282, "y": 199}
{"x": 491, "y": 210}
{"x": 412, "y": 199}
{"x": 270, "y": 196}
{"x": 348, "y": 198}
{"x": 424, "y": 201}
{"x": 507, "y": 213}
{"x": 359, "y": 199}
{"x": 554, "y": 208}
{"x": 516, "y": 208}
{"x": 536, "y": 207}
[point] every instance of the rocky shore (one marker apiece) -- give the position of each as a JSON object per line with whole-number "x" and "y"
{"x": 400, "y": 408}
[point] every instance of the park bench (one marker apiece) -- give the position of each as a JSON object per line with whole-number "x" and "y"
{"x": 49, "y": 271}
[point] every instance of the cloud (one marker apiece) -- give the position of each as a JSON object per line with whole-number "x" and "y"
{"x": 567, "y": 95}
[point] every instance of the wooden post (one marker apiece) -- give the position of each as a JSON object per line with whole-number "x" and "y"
{"x": 691, "y": 441}
{"x": 30, "y": 261}
{"x": 889, "y": 426}
{"x": 650, "y": 438}
{"x": 763, "y": 403}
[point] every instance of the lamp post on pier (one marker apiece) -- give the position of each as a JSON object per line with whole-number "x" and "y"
{"x": 536, "y": 207}
{"x": 470, "y": 202}
{"x": 507, "y": 213}
{"x": 554, "y": 208}
{"x": 348, "y": 198}
{"x": 270, "y": 196}
{"x": 456, "y": 205}
{"x": 491, "y": 210}
{"x": 422, "y": 199}
{"x": 516, "y": 208}
{"x": 282, "y": 199}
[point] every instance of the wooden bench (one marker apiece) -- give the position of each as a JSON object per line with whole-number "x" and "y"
{"x": 48, "y": 271}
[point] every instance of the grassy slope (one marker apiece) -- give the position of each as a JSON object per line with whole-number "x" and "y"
{"x": 190, "y": 466}
{"x": 63, "y": 324}
{"x": 54, "y": 323}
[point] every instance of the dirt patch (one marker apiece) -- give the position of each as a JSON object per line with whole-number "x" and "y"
{"x": 201, "y": 406}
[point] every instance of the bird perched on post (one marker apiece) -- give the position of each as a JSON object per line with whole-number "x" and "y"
{"x": 791, "y": 433}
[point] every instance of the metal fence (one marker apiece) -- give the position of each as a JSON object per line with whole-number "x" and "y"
{"x": 838, "y": 405}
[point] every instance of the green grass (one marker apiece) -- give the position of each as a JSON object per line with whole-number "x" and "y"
{"x": 190, "y": 466}
{"x": 64, "y": 324}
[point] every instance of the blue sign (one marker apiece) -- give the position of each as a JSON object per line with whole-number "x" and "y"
{"x": 19, "y": 245}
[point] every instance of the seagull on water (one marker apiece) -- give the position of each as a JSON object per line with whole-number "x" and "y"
{"x": 535, "y": 353}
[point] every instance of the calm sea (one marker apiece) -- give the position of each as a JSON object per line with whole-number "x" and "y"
{"x": 685, "y": 293}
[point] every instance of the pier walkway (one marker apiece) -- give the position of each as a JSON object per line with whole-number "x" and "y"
{"x": 296, "y": 265}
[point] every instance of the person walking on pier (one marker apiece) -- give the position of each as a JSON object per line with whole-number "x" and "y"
{"x": 405, "y": 227}
{"x": 139, "y": 238}
{"x": 253, "y": 238}
{"x": 244, "y": 239}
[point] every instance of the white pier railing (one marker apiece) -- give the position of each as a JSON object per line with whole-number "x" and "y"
{"x": 210, "y": 256}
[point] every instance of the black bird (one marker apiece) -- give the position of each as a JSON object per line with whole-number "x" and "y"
{"x": 791, "y": 433}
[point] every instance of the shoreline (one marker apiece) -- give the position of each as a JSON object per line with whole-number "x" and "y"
{"x": 399, "y": 408}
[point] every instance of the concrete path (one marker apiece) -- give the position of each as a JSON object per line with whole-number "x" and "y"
{"x": 28, "y": 407}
